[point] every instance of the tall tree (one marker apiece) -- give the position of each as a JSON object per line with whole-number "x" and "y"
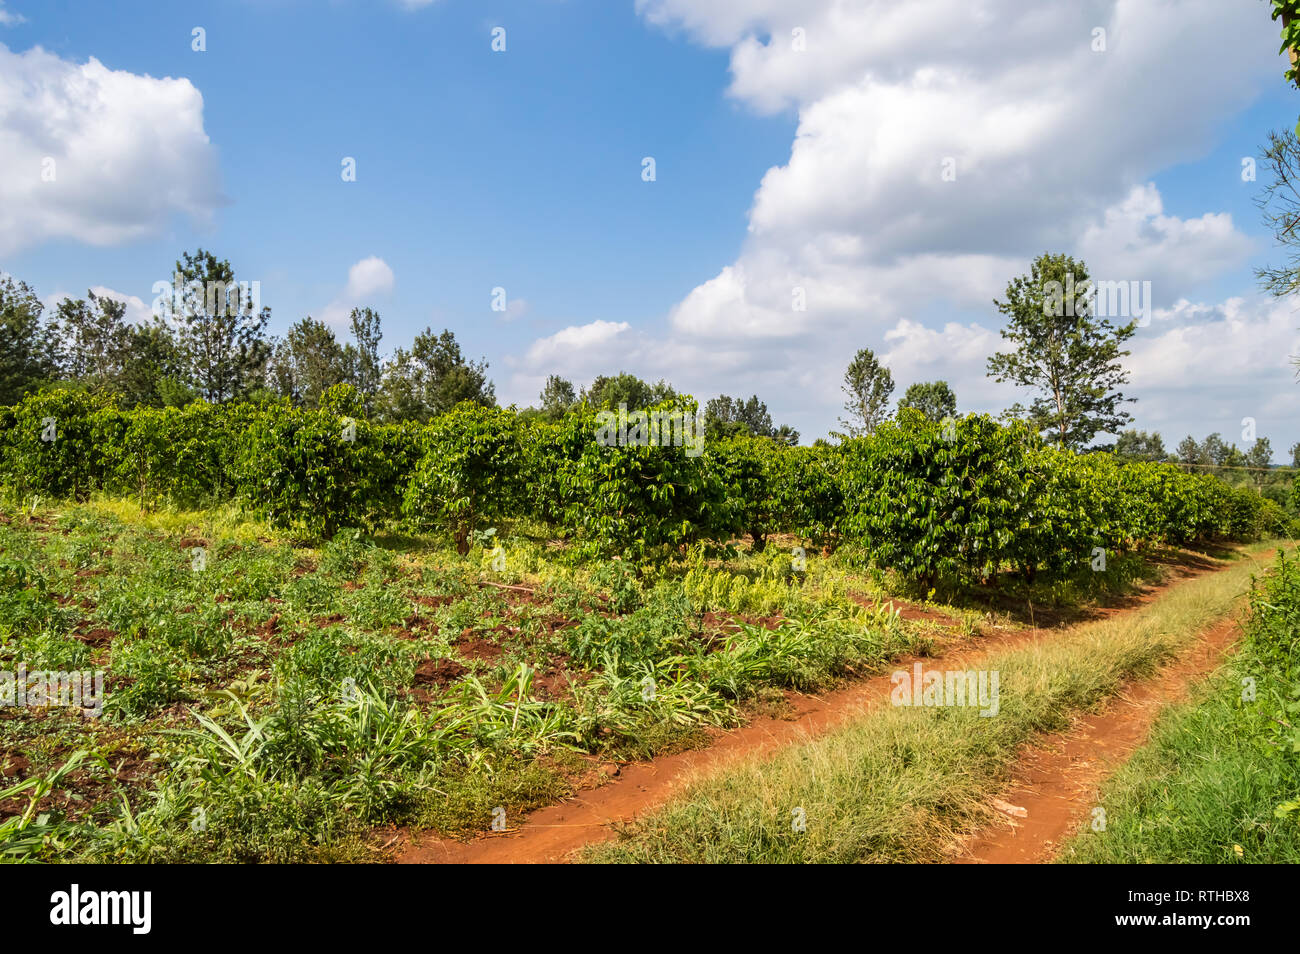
{"x": 557, "y": 397}
{"x": 1063, "y": 352}
{"x": 1260, "y": 457}
{"x": 1279, "y": 205}
{"x": 787, "y": 435}
{"x": 1139, "y": 445}
{"x": 432, "y": 378}
{"x": 934, "y": 399}
{"x": 726, "y": 416}
{"x": 1189, "y": 452}
{"x": 93, "y": 337}
{"x": 154, "y": 371}
{"x": 221, "y": 336}
{"x": 624, "y": 388}
{"x": 1215, "y": 450}
{"x": 28, "y": 348}
{"x": 307, "y": 362}
{"x": 364, "y": 366}
{"x": 868, "y": 385}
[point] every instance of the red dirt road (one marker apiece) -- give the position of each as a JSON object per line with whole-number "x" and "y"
{"x": 1056, "y": 781}
{"x": 551, "y": 834}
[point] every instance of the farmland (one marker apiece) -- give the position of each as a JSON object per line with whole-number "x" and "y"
{"x": 321, "y": 637}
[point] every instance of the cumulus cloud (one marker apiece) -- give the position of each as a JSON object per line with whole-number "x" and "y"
{"x": 1200, "y": 368}
{"x": 577, "y": 345}
{"x": 571, "y": 352}
{"x": 370, "y": 276}
{"x": 930, "y": 165}
{"x": 97, "y": 155}
{"x": 367, "y": 279}
{"x": 516, "y": 308}
{"x": 1011, "y": 142}
{"x": 1137, "y": 241}
{"x": 138, "y": 312}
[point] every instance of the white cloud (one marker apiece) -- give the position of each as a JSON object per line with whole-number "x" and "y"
{"x": 571, "y": 352}
{"x": 516, "y": 308}
{"x": 1200, "y": 368}
{"x": 1137, "y": 241}
{"x": 9, "y": 18}
{"x": 367, "y": 279}
{"x": 576, "y": 346}
{"x": 1040, "y": 137}
{"x": 1054, "y": 147}
{"x": 916, "y": 353}
{"x": 124, "y": 152}
{"x": 370, "y": 276}
{"x": 137, "y": 311}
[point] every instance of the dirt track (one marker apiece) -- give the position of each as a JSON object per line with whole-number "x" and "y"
{"x": 551, "y": 834}
{"x": 1056, "y": 781}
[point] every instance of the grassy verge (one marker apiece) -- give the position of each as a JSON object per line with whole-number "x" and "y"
{"x": 1220, "y": 779}
{"x": 904, "y": 783}
{"x": 266, "y": 698}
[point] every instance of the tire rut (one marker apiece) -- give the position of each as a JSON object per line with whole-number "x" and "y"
{"x": 1056, "y": 780}
{"x": 551, "y": 834}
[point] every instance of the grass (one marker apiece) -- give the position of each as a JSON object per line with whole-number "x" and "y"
{"x": 1220, "y": 779}
{"x": 904, "y": 784}
{"x": 280, "y": 700}
{"x": 286, "y": 700}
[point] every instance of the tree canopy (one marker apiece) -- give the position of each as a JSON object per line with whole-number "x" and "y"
{"x": 868, "y": 385}
{"x": 1063, "y": 352}
{"x": 934, "y": 399}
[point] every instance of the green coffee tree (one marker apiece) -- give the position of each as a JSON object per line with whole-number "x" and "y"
{"x": 471, "y": 471}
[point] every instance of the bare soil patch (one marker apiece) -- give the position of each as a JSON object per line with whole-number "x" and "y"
{"x": 1055, "y": 784}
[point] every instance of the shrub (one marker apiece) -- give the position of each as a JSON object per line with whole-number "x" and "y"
{"x": 471, "y": 471}
{"x": 933, "y": 500}
{"x": 312, "y": 468}
{"x": 637, "y": 499}
{"x": 51, "y": 448}
{"x": 807, "y": 498}
{"x": 746, "y": 466}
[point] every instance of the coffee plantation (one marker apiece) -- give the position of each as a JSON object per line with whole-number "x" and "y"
{"x": 961, "y": 502}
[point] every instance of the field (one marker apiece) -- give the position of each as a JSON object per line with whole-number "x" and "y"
{"x": 373, "y": 682}
{"x": 380, "y": 643}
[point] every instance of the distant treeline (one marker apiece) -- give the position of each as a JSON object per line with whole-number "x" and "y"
{"x": 208, "y": 341}
{"x": 964, "y": 499}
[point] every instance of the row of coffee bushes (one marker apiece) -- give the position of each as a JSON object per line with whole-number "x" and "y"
{"x": 964, "y": 499}
{"x": 320, "y": 469}
{"x": 971, "y": 497}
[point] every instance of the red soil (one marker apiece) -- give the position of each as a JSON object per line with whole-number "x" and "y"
{"x": 552, "y": 834}
{"x": 1055, "y": 784}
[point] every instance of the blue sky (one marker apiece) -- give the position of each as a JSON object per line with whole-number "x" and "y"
{"x": 522, "y": 169}
{"x": 475, "y": 169}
